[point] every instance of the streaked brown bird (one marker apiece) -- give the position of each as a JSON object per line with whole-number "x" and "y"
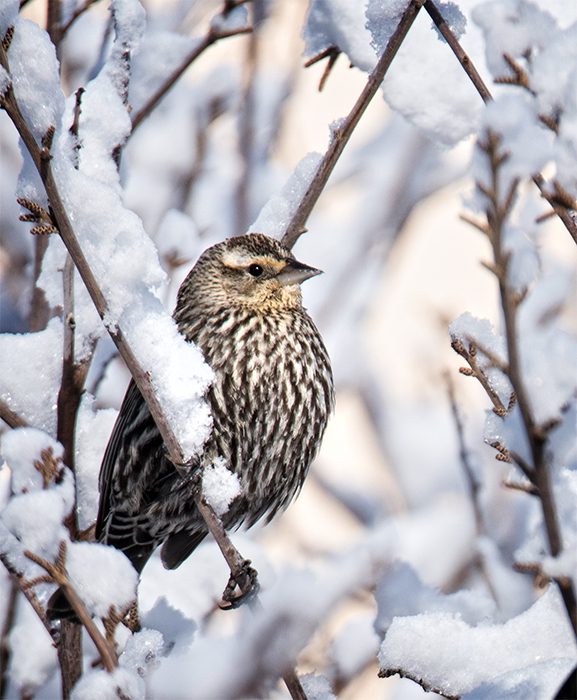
{"x": 270, "y": 402}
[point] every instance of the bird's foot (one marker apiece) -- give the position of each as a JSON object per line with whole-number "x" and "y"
{"x": 247, "y": 581}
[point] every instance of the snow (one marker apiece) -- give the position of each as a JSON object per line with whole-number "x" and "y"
{"x": 93, "y": 429}
{"x": 453, "y": 16}
{"x": 449, "y": 654}
{"x": 400, "y": 593}
{"x": 176, "y": 629}
{"x": 514, "y": 117}
{"x": 479, "y": 331}
{"x": 277, "y": 213}
{"x": 356, "y": 645}
{"x": 33, "y": 656}
{"x": 5, "y": 80}
{"x": 513, "y": 27}
{"x": 8, "y": 13}
{"x": 448, "y": 109}
{"x": 539, "y": 682}
{"x": 88, "y": 325}
{"x": 316, "y": 687}
{"x": 101, "y": 685}
{"x": 339, "y": 23}
{"x": 160, "y": 54}
{"x": 102, "y": 576}
{"x": 535, "y": 549}
{"x": 220, "y": 486}
{"x": 31, "y": 370}
{"x": 236, "y": 19}
{"x": 141, "y": 651}
{"x": 178, "y": 239}
{"x": 181, "y": 173}
{"x": 383, "y": 17}
{"x": 33, "y": 521}
{"x": 35, "y": 77}
{"x": 21, "y": 448}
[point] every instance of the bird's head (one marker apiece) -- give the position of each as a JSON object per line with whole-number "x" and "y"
{"x": 251, "y": 271}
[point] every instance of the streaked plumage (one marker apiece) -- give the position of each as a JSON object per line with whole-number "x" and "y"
{"x": 273, "y": 393}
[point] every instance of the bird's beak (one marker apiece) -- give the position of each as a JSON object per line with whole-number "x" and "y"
{"x": 295, "y": 272}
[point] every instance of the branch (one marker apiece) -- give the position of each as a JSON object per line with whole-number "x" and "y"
{"x": 212, "y": 36}
{"x": 10, "y": 417}
{"x": 453, "y": 42}
{"x": 342, "y": 135}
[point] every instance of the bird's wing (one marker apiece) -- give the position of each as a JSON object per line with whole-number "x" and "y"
{"x": 130, "y": 408}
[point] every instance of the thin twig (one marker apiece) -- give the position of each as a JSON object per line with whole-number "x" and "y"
{"x": 332, "y": 53}
{"x": 476, "y": 371}
{"x": 211, "y": 37}
{"x": 342, "y": 134}
{"x": 10, "y": 417}
{"x": 457, "y": 49}
{"x": 464, "y": 455}
{"x": 497, "y": 212}
{"x": 561, "y": 211}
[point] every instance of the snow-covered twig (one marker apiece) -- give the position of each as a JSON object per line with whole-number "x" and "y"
{"x": 41, "y": 158}
{"x": 26, "y": 590}
{"x": 474, "y": 370}
{"x": 498, "y": 209}
{"x": 457, "y": 49}
{"x": 342, "y": 134}
{"x": 212, "y": 36}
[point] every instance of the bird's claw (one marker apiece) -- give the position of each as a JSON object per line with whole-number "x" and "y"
{"x": 249, "y": 587}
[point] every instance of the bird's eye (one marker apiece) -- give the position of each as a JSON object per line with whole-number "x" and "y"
{"x": 255, "y": 270}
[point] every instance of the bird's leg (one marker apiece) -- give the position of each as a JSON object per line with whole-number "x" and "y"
{"x": 247, "y": 581}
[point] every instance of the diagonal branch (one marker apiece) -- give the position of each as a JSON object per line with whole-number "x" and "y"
{"x": 342, "y": 135}
{"x": 10, "y": 417}
{"x": 458, "y": 50}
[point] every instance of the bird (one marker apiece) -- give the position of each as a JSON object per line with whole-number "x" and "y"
{"x": 270, "y": 401}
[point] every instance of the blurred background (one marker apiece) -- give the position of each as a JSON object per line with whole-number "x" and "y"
{"x": 399, "y": 266}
